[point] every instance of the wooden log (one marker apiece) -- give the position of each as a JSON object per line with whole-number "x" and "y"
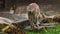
{"x": 47, "y": 24}
{"x": 56, "y": 18}
{"x": 12, "y": 29}
{"x": 50, "y": 26}
{"x": 35, "y": 28}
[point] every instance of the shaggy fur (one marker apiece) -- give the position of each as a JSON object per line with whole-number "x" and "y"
{"x": 34, "y": 14}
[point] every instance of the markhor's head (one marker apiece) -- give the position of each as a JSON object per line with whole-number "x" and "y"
{"x": 33, "y": 7}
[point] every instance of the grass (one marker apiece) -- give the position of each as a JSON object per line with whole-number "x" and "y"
{"x": 55, "y": 30}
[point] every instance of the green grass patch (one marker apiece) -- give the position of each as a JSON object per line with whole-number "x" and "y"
{"x": 55, "y": 30}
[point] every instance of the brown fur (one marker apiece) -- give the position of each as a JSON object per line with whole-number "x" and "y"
{"x": 34, "y": 13}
